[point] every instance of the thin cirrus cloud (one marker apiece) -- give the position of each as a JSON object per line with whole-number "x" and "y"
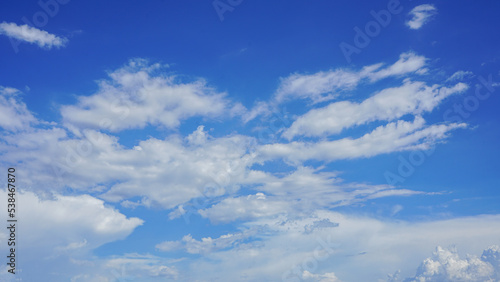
{"x": 392, "y": 137}
{"x": 324, "y": 86}
{"x": 26, "y": 33}
{"x": 388, "y": 104}
{"x": 460, "y": 75}
{"x": 420, "y": 15}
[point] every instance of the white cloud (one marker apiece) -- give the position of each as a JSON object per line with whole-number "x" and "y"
{"x": 391, "y": 103}
{"x": 326, "y": 277}
{"x": 173, "y": 171}
{"x": 261, "y": 108}
{"x": 326, "y": 85}
{"x": 136, "y": 96}
{"x": 460, "y": 75}
{"x": 318, "y": 87}
{"x": 127, "y": 267}
{"x": 71, "y": 222}
{"x": 393, "y": 137}
{"x": 140, "y": 267}
{"x": 55, "y": 230}
{"x": 408, "y": 63}
{"x": 244, "y": 208}
{"x": 446, "y": 265}
{"x": 421, "y": 15}
{"x": 169, "y": 246}
{"x": 32, "y": 35}
{"x": 208, "y": 244}
{"x": 14, "y": 114}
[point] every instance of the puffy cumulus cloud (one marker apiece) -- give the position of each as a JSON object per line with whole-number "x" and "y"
{"x": 420, "y": 15}
{"x": 139, "y": 94}
{"x": 14, "y": 115}
{"x": 50, "y": 231}
{"x": 389, "y": 104}
{"x": 337, "y": 248}
{"x": 32, "y": 35}
{"x": 173, "y": 171}
{"x": 393, "y": 137}
{"x": 71, "y": 222}
{"x": 326, "y": 85}
{"x": 447, "y": 265}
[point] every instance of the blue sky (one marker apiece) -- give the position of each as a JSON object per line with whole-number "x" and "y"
{"x": 252, "y": 140}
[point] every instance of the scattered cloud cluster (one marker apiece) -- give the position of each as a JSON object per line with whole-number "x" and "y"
{"x": 73, "y": 174}
{"x": 278, "y": 214}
